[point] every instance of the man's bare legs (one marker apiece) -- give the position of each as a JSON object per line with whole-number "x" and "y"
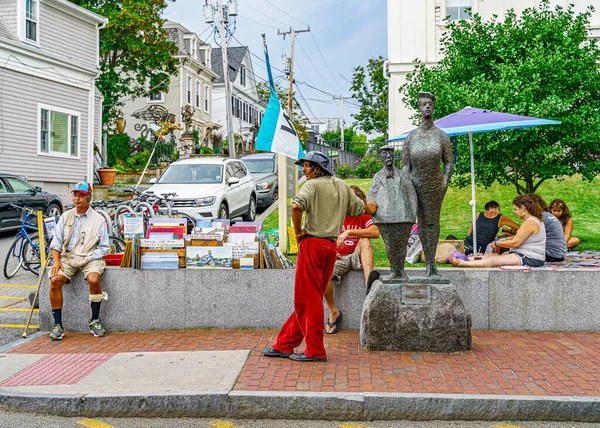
{"x": 367, "y": 259}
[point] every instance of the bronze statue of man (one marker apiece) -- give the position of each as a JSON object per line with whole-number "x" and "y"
{"x": 426, "y": 151}
{"x": 394, "y": 194}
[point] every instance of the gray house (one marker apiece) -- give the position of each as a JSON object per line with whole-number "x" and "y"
{"x": 50, "y": 110}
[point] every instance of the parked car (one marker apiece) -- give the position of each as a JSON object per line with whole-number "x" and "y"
{"x": 16, "y": 190}
{"x": 263, "y": 167}
{"x": 209, "y": 188}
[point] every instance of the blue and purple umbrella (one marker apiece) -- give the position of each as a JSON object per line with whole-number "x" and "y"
{"x": 471, "y": 120}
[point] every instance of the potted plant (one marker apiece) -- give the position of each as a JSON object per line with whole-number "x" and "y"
{"x": 107, "y": 176}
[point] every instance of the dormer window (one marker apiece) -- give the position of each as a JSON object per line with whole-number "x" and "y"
{"x": 193, "y": 49}
{"x": 31, "y": 20}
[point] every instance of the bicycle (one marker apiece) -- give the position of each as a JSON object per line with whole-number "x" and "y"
{"x": 25, "y": 249}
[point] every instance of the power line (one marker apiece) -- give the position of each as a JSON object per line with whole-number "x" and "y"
{"x": 285, "y": 13}
{"x": 264, "y": 14}
{"x": 313, "y": 65}
{"x": 256, "y": 22}
{"x": 323, "y": 58}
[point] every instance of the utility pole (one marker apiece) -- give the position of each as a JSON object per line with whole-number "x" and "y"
{"x": 225, "y": 13}
{"x": 341, "y": 98}
{"x": 228, "y": 119}
{"x": 282, "y": 161}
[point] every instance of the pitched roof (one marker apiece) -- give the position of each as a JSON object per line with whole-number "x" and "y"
{"x": 6, "y": 32}
{"x": 235, "y": 55}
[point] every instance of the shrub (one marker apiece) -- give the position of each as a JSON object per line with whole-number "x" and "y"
{"x": 343, "y": 171}
{"x": 367, "y": 166}
{"x": 117, "y": 148}
{"x": 138, "y": 161}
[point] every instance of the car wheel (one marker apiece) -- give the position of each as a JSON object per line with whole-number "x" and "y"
{"x": 251, "y": 215}
{"x": 223, "y": 212}
{"x": 275, "y": 195}
{"x": 53, "y": 211}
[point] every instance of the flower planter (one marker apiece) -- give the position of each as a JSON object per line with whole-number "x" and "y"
{"x": 107, "y": 176}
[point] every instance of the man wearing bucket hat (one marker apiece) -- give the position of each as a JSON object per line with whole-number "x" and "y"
{"x": 326, "y": 200}
{"x": 80, "y": 243}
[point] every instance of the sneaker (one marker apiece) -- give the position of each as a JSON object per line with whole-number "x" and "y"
{"x": 97, "y": 329}
{"x": 57, "y": 332}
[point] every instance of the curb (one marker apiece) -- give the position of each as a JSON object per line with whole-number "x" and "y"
{"x": 309, "y": 406}
{"x": 20, "y": 342}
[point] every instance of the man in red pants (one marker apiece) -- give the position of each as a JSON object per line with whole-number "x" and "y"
{"x": 326, "y": 200}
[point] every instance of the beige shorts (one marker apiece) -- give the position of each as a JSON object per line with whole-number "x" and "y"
{"x": 91, "y": 266}
{"x": 345, "y": 264}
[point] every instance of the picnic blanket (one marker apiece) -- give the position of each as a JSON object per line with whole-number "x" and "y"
{"x": 579, "y": 259}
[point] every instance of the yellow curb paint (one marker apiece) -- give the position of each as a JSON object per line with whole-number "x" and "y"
{"x": 18, "y": 326}
{"x": 506, "y": 426}
{"x": 92, "y": 423}
{"x": 17, "y": 286}
{"x": 18, "y": 310}
{"x": 13, "y": 298}
{"x": 222, "y": 424}
{"x": 351, "y": 426}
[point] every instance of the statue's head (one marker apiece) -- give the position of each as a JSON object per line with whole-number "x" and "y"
{"x": 386, "y": 154}
{"x": 426, "y": 104}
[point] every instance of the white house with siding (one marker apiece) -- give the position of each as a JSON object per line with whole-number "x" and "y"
{"x": 191, "y": 85}
{"x": 246, "y": 106}
{"x": 50, "y": 110}
{"x": 415, "y": 29}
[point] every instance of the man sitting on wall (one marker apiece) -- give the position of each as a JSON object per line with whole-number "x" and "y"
{"x": 80, "y": 243}
{"x": 354, "y": 252}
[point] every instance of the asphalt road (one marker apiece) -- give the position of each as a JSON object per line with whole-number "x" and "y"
{"x": 14, "y": 302}
{"x": 28, "y": 420}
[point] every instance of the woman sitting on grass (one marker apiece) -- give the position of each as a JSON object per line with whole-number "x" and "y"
{"x": 527, "y": 247}
{"x": 559, "y": 209}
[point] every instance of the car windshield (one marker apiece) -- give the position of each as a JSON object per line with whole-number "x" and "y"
{"x": 192, "y": 173}
{"x": 260, "y": 165}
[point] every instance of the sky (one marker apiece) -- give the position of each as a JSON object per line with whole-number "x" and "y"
{"x": 344, "y": 34}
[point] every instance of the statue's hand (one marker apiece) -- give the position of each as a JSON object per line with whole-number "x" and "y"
{"x": 371, "y": 208}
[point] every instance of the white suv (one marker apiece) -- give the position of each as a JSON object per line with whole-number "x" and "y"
{"x": 209, "y": 188}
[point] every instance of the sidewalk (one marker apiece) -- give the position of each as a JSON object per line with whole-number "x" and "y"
{"x": 552, "y": 376}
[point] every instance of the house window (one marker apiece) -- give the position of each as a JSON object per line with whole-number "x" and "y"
{"x": 198, "y": 94}
{"x": 206, "y": 98}
{"x": 31, "y": 20}
{"x": 242, "y": 75}
{"x": 250, "y": 114}
{"x": 59, "y": 132}
{"x": 189, "y": 90}
{"x": 245, "y": 110}
{"x": 457, "y": 9}
{"x": 233, "y": 105}
{"x": 156, "y": 96}
{"x": 193, "y": 49}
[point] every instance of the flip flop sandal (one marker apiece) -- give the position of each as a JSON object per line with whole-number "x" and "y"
{"x": 331, "y": 325}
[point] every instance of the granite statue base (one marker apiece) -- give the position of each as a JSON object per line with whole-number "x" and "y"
{"x": 428, "y": 316}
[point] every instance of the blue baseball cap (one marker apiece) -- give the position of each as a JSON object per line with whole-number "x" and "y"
{"x": 82, "y": 187}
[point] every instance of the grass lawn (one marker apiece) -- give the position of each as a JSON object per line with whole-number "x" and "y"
{"x": 583, "y": 199}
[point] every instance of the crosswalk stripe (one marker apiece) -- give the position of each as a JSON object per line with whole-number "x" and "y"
{"x": 17, "y": 286}
{"x": 17, "y": 326}
{"x": 92, "y": 423}
{"x": 13, "y": 298}
{"x": 18, "y": 310}
{"x": 222, "y": 424}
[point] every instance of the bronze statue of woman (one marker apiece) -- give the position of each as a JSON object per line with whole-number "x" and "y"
{"x": 427, "y": 159}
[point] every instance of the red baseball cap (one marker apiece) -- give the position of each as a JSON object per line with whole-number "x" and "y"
{"x": 82, "y": 187}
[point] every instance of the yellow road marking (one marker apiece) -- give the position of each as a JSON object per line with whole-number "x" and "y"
{"x": 92, "y": 423}
{"x": 13, "y": 298}
{"x": 506, "y": 426}
{"x": 17, "y": 286}
{"x": 351, "y": 426}
{"x": 18, "y": 310}
{"x": 222, "y": 424}
{"x": 17, "y": 326}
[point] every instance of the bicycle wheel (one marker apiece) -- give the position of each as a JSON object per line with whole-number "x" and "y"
{"x": 31, "y": 254}
{"x": 13, "y": 261}
{"x": 117, "y": 245}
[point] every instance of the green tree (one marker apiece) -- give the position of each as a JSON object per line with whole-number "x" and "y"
{"x": 298, "y": 118}
{"x": 370, "y": 89}
{"x": 353, "y": 142}
{"x": 540, "y": 65}
{"x": 135, "y": 56}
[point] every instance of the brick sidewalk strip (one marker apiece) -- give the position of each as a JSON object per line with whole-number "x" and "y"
{"x": 57, "y": 369}
{"x": 501, "y": 363}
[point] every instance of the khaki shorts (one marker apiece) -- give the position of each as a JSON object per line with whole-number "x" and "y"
{"x": 345, "y": 264}
{"x": 92, "y": 266}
